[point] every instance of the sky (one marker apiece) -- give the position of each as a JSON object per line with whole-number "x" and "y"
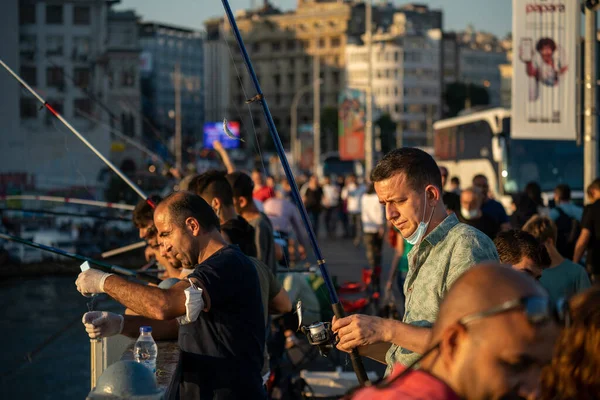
{"x": 488, "y": 15}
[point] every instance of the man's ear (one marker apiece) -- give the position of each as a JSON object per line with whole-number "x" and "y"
{"x": 215, "y": 203}
{"x": 450, "y": 342}
{"x": 243, "y": 202}
{"x": 433, "y": 193}
{"x": 194, "y": 227}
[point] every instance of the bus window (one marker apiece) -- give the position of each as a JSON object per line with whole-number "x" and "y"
{"x": 444, "y": 144}
{"x": 474, "y": 141}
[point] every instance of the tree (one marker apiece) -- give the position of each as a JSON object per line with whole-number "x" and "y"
{"x": 457, "y": 93}
{"x": 387, "y": 128}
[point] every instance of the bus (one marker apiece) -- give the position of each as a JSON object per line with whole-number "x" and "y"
{"x": 480, "y": 143}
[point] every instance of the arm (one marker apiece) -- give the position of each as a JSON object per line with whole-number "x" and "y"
{"x": 224, "y": 156}
{"x": 280, "y": 304}
{"x": 148, "y": 301}
{"x": 581, "y": 245}
{"x": 161, "y": 330}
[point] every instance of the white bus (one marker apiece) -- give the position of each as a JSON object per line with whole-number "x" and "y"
{"x": 480, "y": 143}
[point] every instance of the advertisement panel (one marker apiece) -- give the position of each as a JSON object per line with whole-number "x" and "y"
{"x": 544, "y": 87}
{"x": 351, "y": 124}
{"x": 213, "y": 131}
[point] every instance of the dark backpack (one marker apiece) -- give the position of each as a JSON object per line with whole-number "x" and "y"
{"x": 568, "y": 230}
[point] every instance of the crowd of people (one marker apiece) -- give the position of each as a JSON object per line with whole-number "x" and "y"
{"x": 494, "y": 306}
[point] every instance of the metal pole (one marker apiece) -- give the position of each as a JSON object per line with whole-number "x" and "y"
{"x": 336, "y": 306}
{"x": 590, "y": 143}
{"x": 294, "y": 122}
{"x": 369, "y": 122}
{"x": 178, "y": 141}
{"x": 316, "y": 112}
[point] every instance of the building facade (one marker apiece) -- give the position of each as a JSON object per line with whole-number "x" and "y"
{"x": 61, "y": 44}
{"x": 123, "y": 73}
{"x": 165, "y": 48}
{"x": 406, "y": 80}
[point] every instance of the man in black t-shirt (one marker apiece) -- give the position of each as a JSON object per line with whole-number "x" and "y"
{"x": 222, "y": 346}
{"x": 471, "y": 214}
{"x": 451, "y": 200}
{"x": 589, "y": 238}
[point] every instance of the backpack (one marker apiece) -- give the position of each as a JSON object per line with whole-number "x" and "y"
{"x": 568, "y": 230}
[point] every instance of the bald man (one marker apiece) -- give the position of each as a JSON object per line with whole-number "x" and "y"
{"x": 494, "y": 334}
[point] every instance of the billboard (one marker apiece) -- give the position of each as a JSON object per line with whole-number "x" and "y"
{"x": 544, "y": 87}
{"x": 213, "y": 131}
{"x": 351, "y": 124}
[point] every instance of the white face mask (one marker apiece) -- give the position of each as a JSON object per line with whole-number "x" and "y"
{"x": 469, "y": 214}
{"x": 418, "y": 234}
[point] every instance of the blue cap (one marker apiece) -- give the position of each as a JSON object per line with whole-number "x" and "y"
{"x": 145, "y": 329}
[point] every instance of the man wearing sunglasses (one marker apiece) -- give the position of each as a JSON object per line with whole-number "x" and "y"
{"x": 494, "y": 334}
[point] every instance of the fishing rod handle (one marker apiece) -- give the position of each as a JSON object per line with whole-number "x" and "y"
{"x": 357, "y": 363}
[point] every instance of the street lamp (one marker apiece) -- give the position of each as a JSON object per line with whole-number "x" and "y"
{"x": 294, "y": 120}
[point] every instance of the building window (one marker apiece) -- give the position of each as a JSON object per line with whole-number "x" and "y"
{"x": 256, "y": 47}
{"x": 277, "y": 100}
{"x": 81, "y": 48}
{"x": 291, "y": 44}
{"x": 81, "y": 76}
{"x": 82, "y": 105}
{"x": 55, "y": 77}
{"x": 29, "y": 107}
{"x": 29, "y": 75}
{"x": 305, "y": 79}
{"x": 291, "y": 80}
{"x": 54, "y": 45}
{"x": 292, "y": 63}
{"x": 57, "y": 105}
{"x": 128, "y": 124}
{"x": 276, "y": 46}
{"x": 81, "y": 15}
{"x": 321, "y": 43}
{"x": 277, "y": 80}
{"x": 54, "y": 14}
{"x": 128, "y": 77}
{"x": 27, "y": 47}
{"x": 335, "y": 75}
{"x": 26, "y": 14}
{"x": 336, "y": 41}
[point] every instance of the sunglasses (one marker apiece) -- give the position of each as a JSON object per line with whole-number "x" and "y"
{"x": 538, "y": 310}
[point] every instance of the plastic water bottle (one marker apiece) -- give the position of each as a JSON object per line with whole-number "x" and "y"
{"x": 145, "y": 350}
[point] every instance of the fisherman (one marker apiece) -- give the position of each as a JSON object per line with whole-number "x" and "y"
{"x": 222, "y": 331}
{"x": 493, "y": 336}
{"x": 142, "y": 219}
{"x": 408, "y": 183}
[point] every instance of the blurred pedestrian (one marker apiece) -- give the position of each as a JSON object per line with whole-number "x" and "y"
{"x": 451, "y": 199}
{"x": 563, "y": 278}
{"x": 589, "y": 239}
{"x": 313, "y": 199}
{"x": 331, "y": 204}
{"x": 567, "y": 217}
{"x": 352, "y": 193}
{"x": 455, "y": 185}
{"x": 523, "y": 252}
{"x": 490, "y": 206}
{"x": 261, "y": 191}
{"x": 373, "y": 223}
{"x": 471, "y": 214}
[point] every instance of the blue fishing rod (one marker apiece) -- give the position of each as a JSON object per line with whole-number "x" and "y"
{"x": 315, "y": 332}
{"x": 102, "y": 265}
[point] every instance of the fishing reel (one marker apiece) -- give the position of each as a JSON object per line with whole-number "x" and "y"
{"x": 318, "y": 334}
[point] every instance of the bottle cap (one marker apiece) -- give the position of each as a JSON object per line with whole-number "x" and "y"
{"x": 145, "y": 329}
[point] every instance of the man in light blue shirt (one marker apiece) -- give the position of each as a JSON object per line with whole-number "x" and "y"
{"x": 563, "y": 278}
{"x": 562, "y": 199}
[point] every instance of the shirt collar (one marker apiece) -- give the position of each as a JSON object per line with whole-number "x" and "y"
{"x": 440, "y": 231}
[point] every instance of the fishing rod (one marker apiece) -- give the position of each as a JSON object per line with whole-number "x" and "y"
{"x": 80, "y": 136}
{"x": 123, "y": 249}
{"x": 70, "y": 200}
{"x": 103, "y": 266}
{"x": 321, "y": 328}
{"x": 66, "y": 214}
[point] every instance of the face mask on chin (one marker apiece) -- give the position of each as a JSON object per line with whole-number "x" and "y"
{"x": 469, "y": 214}
{"x": 418, "y": 234}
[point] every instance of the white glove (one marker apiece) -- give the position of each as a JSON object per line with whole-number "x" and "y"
{"x": 91, "y": 281}
{"x": 100, "y": 324}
